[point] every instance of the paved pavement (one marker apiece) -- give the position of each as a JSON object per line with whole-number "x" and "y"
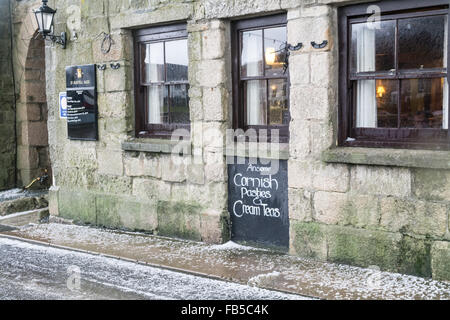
{"x": 31, "y": 271}
{"x": 239, "y": 264}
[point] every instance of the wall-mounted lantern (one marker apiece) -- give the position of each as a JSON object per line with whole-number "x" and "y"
{"x": 44, "y": 17}
{"x": 271, "y": 56}
{"x": 281, "y": 57}
{"x": 278, "y": 58}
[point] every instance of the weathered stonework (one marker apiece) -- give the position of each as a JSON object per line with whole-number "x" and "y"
{"x": 381, "y": 181}
{"x": 389, "y": 251}
{"x": 7, "y": 102}
{"x": 440, "y": 260}
{"x": 381, "y": 207}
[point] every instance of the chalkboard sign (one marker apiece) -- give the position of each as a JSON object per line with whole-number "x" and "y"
{"x": 258, "y": 202}
{"x": 81, "y": 102}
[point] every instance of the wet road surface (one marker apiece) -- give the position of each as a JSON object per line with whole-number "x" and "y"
{"x": 30, "y": 271}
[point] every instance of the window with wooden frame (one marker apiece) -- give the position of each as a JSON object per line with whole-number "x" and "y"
{"x": 394, "y": 75}
{"x": 161, "y": 80}
{"x": 261, "y": 76}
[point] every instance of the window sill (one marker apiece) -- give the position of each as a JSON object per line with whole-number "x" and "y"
{"x": 278, "y": 151}
{"x": 388, "y": 157}
{"x": 157, "y": 146}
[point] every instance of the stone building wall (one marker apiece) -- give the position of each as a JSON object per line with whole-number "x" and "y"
{"x": 111, "y": 184}
{"x": 30, "y": 114}
{"x": 32, "y": 137}
{"x": 359, "y": 206}
{"x": 7, "y": 108}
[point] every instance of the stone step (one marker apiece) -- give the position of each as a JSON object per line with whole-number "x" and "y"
{"x": 19, "y": 219}
{"x": 16, "y": 200}
{"x": 6, "y": 228}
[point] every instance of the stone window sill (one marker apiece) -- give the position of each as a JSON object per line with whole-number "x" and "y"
{"x": 156, "y": 146}
{"x": 388, "y": 157}
{"x": 262, "y": 150}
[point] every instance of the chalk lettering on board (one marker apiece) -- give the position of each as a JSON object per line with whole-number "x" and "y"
{"x": 258, "y": 202}
{"x": 252, "y": 190}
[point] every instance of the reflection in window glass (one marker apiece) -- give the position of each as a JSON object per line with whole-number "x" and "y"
{"x": 422, "y": 103}
{"x": 421, "y": 42}
{"x": 387, "y": 103}
{"x": 157, "y": 106}
{"x": 373, "y": 49}
{"x": 153, "y": 55}
{"x": 255, "y": 101}
{"x": 251, "y": 56}
{"x": 160, "y": 108}
{"x": 274, "y": 54}
{"x": 278, "y": 102}
{"x": 177, "y": 60}
{"x": 179, "y": 103}
{"x": 263, "y": 81}
{"x": 446, "y": 43}
{"x": 377, "y": 104}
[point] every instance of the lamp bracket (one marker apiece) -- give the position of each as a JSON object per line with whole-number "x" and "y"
{"x": 62, "y": 39}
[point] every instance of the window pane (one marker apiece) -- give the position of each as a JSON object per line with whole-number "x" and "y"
{"x": 179, "y": 104}
{"x": 376, "y": 105}
{"x": 177, "y": 60}
{"x": 251, "y": 56}
{"x": 387, "y": 103}
{"x": 153, "y": 56}
{"x": 274, "y": 44}
{"x": 445, "y": 105}
{"x": 47, "y": 21}
{"x": 255, "y": 101}
{"x": 278, "y": 102}
{"x": 157, "y": 104}
{"x": 422, "y": 103}
{"x": 421, "y": 42}
{"x": 373, "y": 47}
{"x": 446, "y": 43}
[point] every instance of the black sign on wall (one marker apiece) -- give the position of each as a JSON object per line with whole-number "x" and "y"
{"x": 82, "y": 102}
{"x": 258, "y": 202}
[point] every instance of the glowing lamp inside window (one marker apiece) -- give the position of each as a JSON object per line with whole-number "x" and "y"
{"x": 381, "y": 91}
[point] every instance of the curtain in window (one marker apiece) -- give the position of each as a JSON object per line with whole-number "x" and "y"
{"x": 155, "y": 94}
{"x": 155, "y": 104}
{"x": 254, "y": 110}
{"x": 252, "y": 56}
{"x": 445, "y": 103}
{"x": 366, "y": 104}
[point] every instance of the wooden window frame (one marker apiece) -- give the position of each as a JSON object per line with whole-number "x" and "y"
{"x": 411, "y": 138}
{"x": 239, "y": 111}
{"x": 143, "y": 129}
